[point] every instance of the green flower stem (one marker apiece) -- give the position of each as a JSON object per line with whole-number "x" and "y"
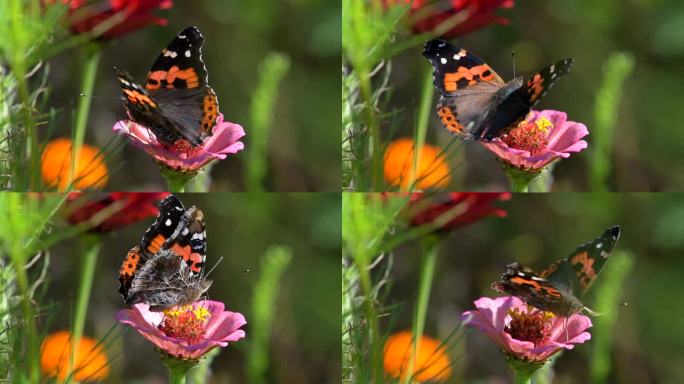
{"x": 424, "y": 113}
{"x": 176, "y": 180}
{"x": 178, "y": 368}
{"x": 89, "y": 259}
{"x": 371, "y": 317}
{"x": 430, "y": 247}
{"x": 523, "y": 370}
{"x": 520, "y": 178}
{"x": 92, "y": 53}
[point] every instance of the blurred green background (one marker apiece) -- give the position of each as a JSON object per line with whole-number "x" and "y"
{"x": 303, "y": 152}
{"x": 304, "y": 342}
{"x": 646, "y": 341}
{"x": 645, "y": 152}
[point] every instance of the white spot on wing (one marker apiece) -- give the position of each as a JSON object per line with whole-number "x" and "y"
{"x": 188, "y": 53}
{"x": 443, "y": 60}
{"x": 168, "y": 222}
{"x": 599, "y": 245}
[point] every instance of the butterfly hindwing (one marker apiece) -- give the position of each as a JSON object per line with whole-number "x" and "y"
{"x": 165, "y": 281}
{"x": 166, "y": 269}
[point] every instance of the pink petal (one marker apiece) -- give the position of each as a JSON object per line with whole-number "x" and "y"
{"x": 224, "y": 141}
{"x": 567, "y": 134}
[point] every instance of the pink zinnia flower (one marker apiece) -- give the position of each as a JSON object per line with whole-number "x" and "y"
{"x": 524, "y": 332}
{"x": 541, "y": 138}
{"x": 225, "y": 140}
{"x": 186, "y": 333}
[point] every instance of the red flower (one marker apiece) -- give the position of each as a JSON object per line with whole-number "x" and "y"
{"x": 456, "y": 210}
{"x": 472, "y": 14}
{"x": 122, "y": 16}
{"x": 116, "y": 210}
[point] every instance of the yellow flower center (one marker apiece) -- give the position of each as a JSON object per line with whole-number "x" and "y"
{"x": 185, "y": 323}
{"x": 531, "y": 136}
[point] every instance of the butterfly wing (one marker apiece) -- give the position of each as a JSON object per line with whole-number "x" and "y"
{"x": 164, "y": 282}
{"x": 464, "y": 114}
{"x": 457, "y": 69}
{"x": 177, "y": 102}
{"x": 531, "y": 288}
{"x": 470, "y": 89}
{"x": 517, "y": 103}
{"x": 176, "y": 231}
{"x": 579, "y": 270}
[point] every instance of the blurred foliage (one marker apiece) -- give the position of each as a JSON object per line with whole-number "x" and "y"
{"x": 638, "y": 343}
{"x": 615, "y": 71}
{"x": 272, "y": 70}
{"x": 297, "y": 151}
{"x": 273, "y": 264}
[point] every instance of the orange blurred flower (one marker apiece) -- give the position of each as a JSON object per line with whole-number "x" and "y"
{"x": 91, "y": 171}
{"x": 432, "y": 171}
{"x": 90, "y": 362}
{"x": 431, "y": 362}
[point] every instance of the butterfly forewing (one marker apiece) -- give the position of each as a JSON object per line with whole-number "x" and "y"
{"x": 456, "y": 69}
{"x": 579, "y": 270}
{"x": 179, "y": 65}
{"x": 177, "y": 102}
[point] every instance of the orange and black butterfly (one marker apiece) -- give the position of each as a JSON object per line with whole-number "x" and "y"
{"x": 475, "y": 103}
{"x": 559, "y": 287}
{"x": 177, "y": 102}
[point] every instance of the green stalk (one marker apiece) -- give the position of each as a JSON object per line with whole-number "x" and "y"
{"x": 520, "y": 179}
{"x": 375, "y": 150}
{"x": 92, "y": 245}
{"x": 523, "y": 370}
{"x": 176, "y": 181}
{"x": 176, "y": 377}
{"x": 427, "y": 271}
{"x": 92, "y": 54}
{"x": 422, "y": 123}
{"x": 32, "y": 342}
{"x": 371, "y": 317}
{"x": 178, "y": 368}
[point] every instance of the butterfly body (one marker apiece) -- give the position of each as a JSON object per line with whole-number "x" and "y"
{"x": 558, "y": 288}
{"x": 166, "y": 269}
{"x": 475, "y": 103}
{"x": 176, "y": 103}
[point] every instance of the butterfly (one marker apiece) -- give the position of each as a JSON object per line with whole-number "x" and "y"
{"x": 475, "y": 103}
{"x": 167, "y": 268}
{"x": 559, "y": 287}
{"x": 177, "y": 103}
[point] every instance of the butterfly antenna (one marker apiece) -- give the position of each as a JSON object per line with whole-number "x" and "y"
{"x": 591, "y": 312}
{"x": 214, "y": 267}
{"x": 513, "y": 58}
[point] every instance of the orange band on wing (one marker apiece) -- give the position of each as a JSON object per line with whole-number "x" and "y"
{"x": 464, "y": 77}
